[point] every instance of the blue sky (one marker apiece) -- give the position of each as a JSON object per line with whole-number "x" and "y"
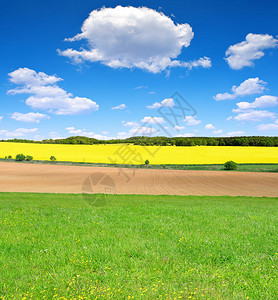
{"x": 128, "y": 54}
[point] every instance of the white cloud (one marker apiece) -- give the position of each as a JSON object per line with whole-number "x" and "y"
{"x": 178, "y": 128}
{"x": 121, "y": 106}
{"x": 130, "y": 124}
{"x": 153, "y": 120}
{"x": 248, "y": 87}
{"x": 141, "y": 87}
{"x": 271, "y": 126}
{"x": 218, "y": 131}
{"x": 168, "y": 102}
{"x": 46, "y": 95}
{"x": 243, "y": 54}
{"x": 255, "y": 115}
{"x": 260, "y": 102}
{"x": 130, "y": 37}
{"x": 29, "y": 117}
{"x": 229, "y": 118}
{"x": 185, "y": 135}
{"x": 1, "y": 118}
{"x": 18, "y": 133}
{"x": 84, "y": 132}
{"x": 142, "y": 131}
{"x": 191, "y": 120}
{"x": 209, "y": 126}
{"x": 235, "y": 133}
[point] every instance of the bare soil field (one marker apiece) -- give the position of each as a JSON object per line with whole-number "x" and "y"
{"x": 22, "y": 177}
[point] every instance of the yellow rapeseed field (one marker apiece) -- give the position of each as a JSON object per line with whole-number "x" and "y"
{"x": 130, "y": 154}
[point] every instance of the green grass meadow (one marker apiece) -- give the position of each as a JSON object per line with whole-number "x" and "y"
{"x": 64, "y": 246}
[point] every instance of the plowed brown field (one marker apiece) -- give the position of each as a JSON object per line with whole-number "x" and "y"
{"x": 20, "y": 177}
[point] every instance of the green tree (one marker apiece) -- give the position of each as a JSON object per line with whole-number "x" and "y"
{"x": 230, "y": 165}
{"x": 20, "y": 157}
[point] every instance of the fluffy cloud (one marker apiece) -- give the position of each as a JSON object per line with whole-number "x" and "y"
{"x": 255, "y": 115}
{"x": 29, "y": 117}
{"x": 84, "y": 132}
{"x": 17, "y": 133}
{"x": 260, "y": 102}
{"x": 209, "y": 126}
{"x": 168, "y": 102}
{"x": 153, "y": 120}
{"x": 271, "y": 126}
{"x": 121, "y": 106}
{"x": 191, "y": 120}
{"x": 248, "y": 87}
{"x": 130, "y": 37}
{"x": 46, "y": 95}
{"x": 243, "y": 54}
{"x": 1, "y": 118}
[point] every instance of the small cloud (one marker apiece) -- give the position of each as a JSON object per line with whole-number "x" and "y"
{"x": 141, "y": 87}
{"x": 243, "y": 54}
{"x": 192, "y": 120}
{"x": 229, "y": 118}
{"x": 209, "y": 126}
{"x": 248, "y": 87}
{"x": 29, "y": 117}
{"x": 218, "y": 131}
{"x": 153, "y": 120}
{"x": 271, "y": 126}
{"x": 121, "y": 106}
{"x": 130, "y": 124}
{"x": 185, "y": 135}
{"x": 235, "y": 133}
{"x": 255, "y": 115}
{"x": 168, "y": 102}
{"x": 178, "y": 128}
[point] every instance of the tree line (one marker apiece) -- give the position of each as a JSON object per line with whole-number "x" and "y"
{"x": 266, "y": 141}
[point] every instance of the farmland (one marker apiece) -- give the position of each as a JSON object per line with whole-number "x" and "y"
{"x": 132, "y": 154}
{"x": 140, "y": 247}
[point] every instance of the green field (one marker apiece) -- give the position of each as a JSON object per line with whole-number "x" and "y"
{"x": 204, "y": 167}
{"x": 58, "y": 246}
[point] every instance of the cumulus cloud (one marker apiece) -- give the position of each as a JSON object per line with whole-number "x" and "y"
{"x": 17, "y": 133}
{"x": 255, "y": 115}
{"x": 121, "y": 106}
{"x": 248, "y": 87}
{"x": 47, "y": 95}
{"x": 191, "y": 120}
{"x": 130, "y": 37}
{"x": 209, "y": 126}
{"x": 168, "y": 102}
{"x": 153, "y": 120}
{"x": 260, "y": 102}
{"x": 271, "y": 126}
{"x": 243, "y": 54}
{"x": 84, "y": 132}
{"x": 29, "y": 117}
